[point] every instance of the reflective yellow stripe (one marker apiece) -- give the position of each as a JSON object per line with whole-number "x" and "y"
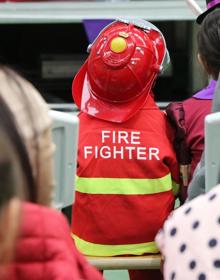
{"x": 123, "y": 186}
{"x": 92, "y": 249}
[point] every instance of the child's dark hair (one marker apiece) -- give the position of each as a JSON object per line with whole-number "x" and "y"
{"x": 10, "y": 131}
{"x": 209, "y": 42}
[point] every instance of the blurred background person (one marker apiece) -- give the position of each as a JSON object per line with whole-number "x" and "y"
{"x": 187, "y": 117}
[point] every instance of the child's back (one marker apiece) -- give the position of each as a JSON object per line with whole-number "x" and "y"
{"x": 124, "y": 185}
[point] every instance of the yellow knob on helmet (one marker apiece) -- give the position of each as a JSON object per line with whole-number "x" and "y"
{"x": 118, "y": 45}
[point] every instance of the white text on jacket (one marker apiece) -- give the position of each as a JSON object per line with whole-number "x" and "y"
{"x": 121, "y": 145}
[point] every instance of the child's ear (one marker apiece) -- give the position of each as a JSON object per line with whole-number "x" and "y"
{"x": 200, "y": 59}
{"x": 9, "y": 229}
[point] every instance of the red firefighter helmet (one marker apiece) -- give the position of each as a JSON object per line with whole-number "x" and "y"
{"x": 116, "y": 79}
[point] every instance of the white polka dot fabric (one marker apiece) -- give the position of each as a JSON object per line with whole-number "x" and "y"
{"x": 190, "y": 240}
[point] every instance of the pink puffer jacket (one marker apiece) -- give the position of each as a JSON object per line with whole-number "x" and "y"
{"x": 45, "y": 250}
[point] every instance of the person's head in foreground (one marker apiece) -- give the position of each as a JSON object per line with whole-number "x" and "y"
{"x": 16, "y": 182}
{"x": 116, "y": 80}
{"x": 25, "y": 145}
{"x": 30, "y": 113}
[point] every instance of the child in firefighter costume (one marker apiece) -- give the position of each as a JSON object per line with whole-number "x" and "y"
{"x": 127, "y": 169}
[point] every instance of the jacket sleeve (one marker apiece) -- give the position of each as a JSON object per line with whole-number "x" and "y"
{"x": 171, "y": 159}
{"x": 197, "y": 185}
{"x": 176, "y": 116}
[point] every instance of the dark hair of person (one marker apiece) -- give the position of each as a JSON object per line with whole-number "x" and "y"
{"x": 8, "y": 126}
{"x": 7, "y": 184}
{"x": 209, "y": 42}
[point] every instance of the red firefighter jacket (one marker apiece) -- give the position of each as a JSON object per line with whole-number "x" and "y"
{"x": 124, "y": 189}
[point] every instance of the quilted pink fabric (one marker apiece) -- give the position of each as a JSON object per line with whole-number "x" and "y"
{"x": 45, "y": 250}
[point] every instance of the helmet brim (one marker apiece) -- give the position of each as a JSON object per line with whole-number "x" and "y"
{"x": 115, "y": 112}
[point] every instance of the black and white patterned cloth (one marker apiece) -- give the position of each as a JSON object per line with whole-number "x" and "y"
{"x": 190, "y": 240}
